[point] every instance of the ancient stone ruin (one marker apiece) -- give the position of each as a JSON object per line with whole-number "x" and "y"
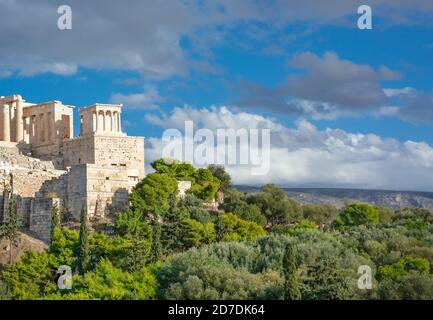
{"x": 42, "y": 163}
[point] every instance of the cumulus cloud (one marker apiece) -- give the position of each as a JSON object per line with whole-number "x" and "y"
{"x": 305, "y": 156}
{"x": 149, "y": 99}
{"x": 329, "y": 86}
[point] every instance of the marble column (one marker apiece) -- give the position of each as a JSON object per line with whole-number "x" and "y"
{"x": 99, "y": 125}
{"x": 47, "y": 127}
{"x": 19, "y": 124}
{"x": 38, "y": 129}
{"x": 95, "y": 122}
{"x": 111, "y": 122}
{"x": 32, "y": 130}
{"x": 6, "y": 123}
{"x": 52, "y": 120}
{"x": 119, "y": 125}
{"x": 114, "y": 117}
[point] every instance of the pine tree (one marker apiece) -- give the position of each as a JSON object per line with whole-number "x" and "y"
{"x": 55, "y": 219}
{"x": 291, "y": 290}
{"x": 83, "y": 251}
{"x": 10, "y": 230}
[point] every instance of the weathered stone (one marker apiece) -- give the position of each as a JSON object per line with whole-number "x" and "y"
{"x": 96, "y": 169}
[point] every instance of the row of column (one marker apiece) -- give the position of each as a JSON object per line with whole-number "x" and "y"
{"x": 41, "y": 128}
{"x": 34, "y": 129}
{"x": 7, "y": 111}
{"x": 107, "y": 121}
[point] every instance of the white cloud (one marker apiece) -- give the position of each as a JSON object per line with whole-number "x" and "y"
{"x": 146, "y": 100}
{"x": 399, "y": 92}
{"x": 307, "y": 156}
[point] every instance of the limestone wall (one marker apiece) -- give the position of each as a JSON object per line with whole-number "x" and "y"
{"x": 76, "y": 190}
{"x": 107, "y": 190}
{"x": 40, "y": 217}
{"x": 123, "y": 151}
{"x": 79, "y": 150}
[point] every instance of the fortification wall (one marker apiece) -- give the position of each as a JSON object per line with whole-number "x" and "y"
{"x": 40, "y": 217}
{"x": 79, "y": 150}
{"x": 121, "y": 151}
{"x": 107, "y": 189}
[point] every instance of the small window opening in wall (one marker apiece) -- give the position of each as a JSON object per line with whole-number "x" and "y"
{"x": 79, "y": 160}
{"x": 107, "y": 178}
{"x": 123, "y": 164}
{"x": 114, "y": 164}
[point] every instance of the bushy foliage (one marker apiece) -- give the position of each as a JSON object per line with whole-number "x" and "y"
{"x": 106, "y": 282}
{"x": 322, "y": 215}
{"x": 276, "y": 206}
{"x": 356, "y": 214}
{"x": 169, "y": 248}
{"x": 153, "y": 192}
{"x": 224, "y": 178}
{"x": 231, "y": 227}
{"x": 403, "y": 267}
{"x": 205, "y": 274}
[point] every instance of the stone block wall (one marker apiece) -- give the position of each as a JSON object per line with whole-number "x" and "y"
{"x": 78, "y": 151}
{"x": 40, "y": 217}
{"x": 120, "y": 151}
{"x": 76, "y": 190}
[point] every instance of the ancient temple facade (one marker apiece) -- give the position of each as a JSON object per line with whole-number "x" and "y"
{"x": 43, "y": 163}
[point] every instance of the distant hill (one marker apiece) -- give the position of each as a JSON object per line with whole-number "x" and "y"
{"x": 339, "y": 197}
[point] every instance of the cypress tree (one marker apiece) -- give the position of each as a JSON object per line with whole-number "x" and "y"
{"x": 291, "y": 290}
{"x": 83, "y": 251}
{"x": 10, "y": 230}
{"x": 55, "y": 219}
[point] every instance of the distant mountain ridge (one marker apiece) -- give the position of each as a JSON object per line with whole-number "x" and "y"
{"x": 339, "y": 197}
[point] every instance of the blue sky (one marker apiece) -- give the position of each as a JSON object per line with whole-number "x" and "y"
{"x": 269, "y": 59}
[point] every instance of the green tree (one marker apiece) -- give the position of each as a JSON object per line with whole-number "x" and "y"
{"x": 156, "y": 240}
{"x": 205, "y": 186}
{"x": 194, "y": 207}
{"x": 356, "y": 214}
{"x": 131, "y": 223}
{"x": 291, "y": 290}
{"x": 322, "y": 214}
{"x": 221, "y": 174}
{"x": 153, "y": 192}
{"x": 250, "y": 212}
{"x": 231, "y": 227}
{"x": 83, "y": 250}
{"x": 276, "y": 206}
{"x": 10, "y": 229}
{"x": 403, "y": 267}
{"x": 385, "y": 214}
{"x": 194, "y": 233}
{"x": 174, "y": 168}
{"x": 55, "y": 220}
{"x": 30, "y": 277}
{"x": 413, "y": 286}
{"x": 107, "y": 282}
